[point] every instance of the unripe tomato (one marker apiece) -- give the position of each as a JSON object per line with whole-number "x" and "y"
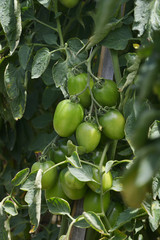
{"x": 77, "y": 84}
{"x": 67, "y": 117}
{"x": 107, "y": 94}
{"x": 56, "y": 191}
{"x": 48, "y": 178}
{"x": 88, "y": 136}
{"x": 112, "y": 123}
{"x": 106, "y": 180}
{"x": 69, "y": 3}
{"x": 72, "y": 187}
{"x": 92, "y": 202}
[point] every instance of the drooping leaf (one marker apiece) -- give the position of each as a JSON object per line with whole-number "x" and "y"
{"x": 147, "y": 16}
{"x": 72, "y": 148}
{"x": 74, "y": 160}
{"x": 58, "y": 206}
{"x": 95, "y": 222}
{"x": 118, "y": 38}
{"x": 154, "y": 130}
{"x": 83, "y": 173}
{"x": 10, "y": 19}
{"x": 20, "y": 177}
{"x": 47, "y": 4}
{"x": 15, "y": 84}
{"x": 40, "y": 62}
{"x": 127, "y": 216}
{"x": 81, "y": 222}
{"x": 5, "y": 228}
{"x": 155, "y": 218}
{"x": 33, "y": 197}
{"x": 10, "y": 208}
{"x": 24, "y": 55}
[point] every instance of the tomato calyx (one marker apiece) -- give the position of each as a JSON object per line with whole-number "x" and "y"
{"x": 74, "y": 98}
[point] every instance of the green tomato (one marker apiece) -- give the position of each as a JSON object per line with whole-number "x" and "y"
{"x": 49, "y": 178}
{"x": 106, "y": 181}
{"x": 69, "y": 3}
{"x": 107, "y": 94}
{"x": 113, "y": 124}
{"x": 67, "y": 117}
{"x": 88, "y": 136}
{"x": 77, "y": 84}
{"x": 96, "y": 157}
{"x": 114, "y": 213}
{"x": 72, "y": 187}
{"x": 56, "y": 191}
{"x": 92, "y": 202}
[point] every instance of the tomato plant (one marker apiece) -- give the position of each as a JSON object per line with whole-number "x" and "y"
{"x": 77, "y": 84}
{"x": 68, "y": 115}
{"x": 49, "y": 177}
{"x": 80, "y": 83}
{"x": 88, "y": 136}
{"x": 106, "y": 93}
{"x": 92, "y": 202}
{"x": 113, "y": 124}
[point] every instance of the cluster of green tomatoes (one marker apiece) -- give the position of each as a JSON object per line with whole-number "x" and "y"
{"x": 69, "y": 119}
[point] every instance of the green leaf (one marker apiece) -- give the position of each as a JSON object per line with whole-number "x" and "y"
{"x": 4, "y": 223}
{"x": 20, "y": 177}
{"x": 63, "y": 237}
{"x": 74, "y": 160}
{"x": 81, "y": 222}
{"x": 104, "y": 20}
{"x": 47, "y": 3}
{"x": 10, "y": 208}
{"x": 59, "y": 72}
{"x": 117, "y": 185}
{"x": 42, "y": 121}
{"x": 133, "y": 63}
{"x": 84, "y": 174}
{"x": 58, "y": 206}
{"x": 156, "y": 186}
{"x": 15, "y": 84}
{"x": 24, "y": 54}
{"x": 72, "y": 148}
{"x": 118, "y": 38}
{"x": 50, "y": 95}
{"x": 40, "y": 62}
{"x": 147, "y": 17}
{"x": 10, "y": 19}
{"x": 155, "y": 218}
{"x": 109, "y": 165}
{"x": 154, "y": 130}
{"x": 127, "y": 216}
{"x": 95, "y": 222}
{"x": 33, "y": 197}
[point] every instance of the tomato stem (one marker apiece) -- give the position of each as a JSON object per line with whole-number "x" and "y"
{"x": 46, "y": 25}
{"x": 64, "y": 226}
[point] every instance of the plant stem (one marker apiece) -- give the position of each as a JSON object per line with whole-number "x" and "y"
{"x": 91, "y": 164}
{"x": 64, "y": 226}
{"x": 113, "y": 150}
{"x": 58, "y": 24}
{"x": 101, "y": 175}
{"x": 46, "y": 25}
{"x": 56, "y": 165}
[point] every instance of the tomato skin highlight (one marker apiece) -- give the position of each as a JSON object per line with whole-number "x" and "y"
{"x": 106, "y": 181}
{"x": 112, "y": 123}
{"x": 72, "y": 187}
{"x": 88, "y": 136}
{"x": 67, "y": 117}
{"x": 77, "y": 84}
{"x": 92, "y": 202}
{"x": 107, "y": 94}
{"x": 69, "y": 3}
{"x": 49, "y": 178}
